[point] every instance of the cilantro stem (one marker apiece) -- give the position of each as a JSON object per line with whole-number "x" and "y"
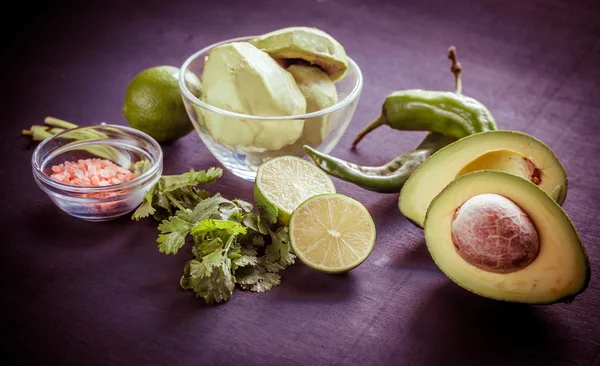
{"x": 174, "y": 201}
{"x": 194, "y": 195}
{"x": 229, "y": 242}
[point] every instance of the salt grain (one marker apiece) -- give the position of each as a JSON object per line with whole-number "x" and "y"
{"x": 91, "y": 172}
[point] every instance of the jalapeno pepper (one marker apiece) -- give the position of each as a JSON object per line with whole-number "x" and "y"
{"x": 447, "y": 115}
{"x": 387, "y": 178}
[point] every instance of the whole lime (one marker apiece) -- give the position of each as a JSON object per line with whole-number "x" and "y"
{"x": 153, "y": 103}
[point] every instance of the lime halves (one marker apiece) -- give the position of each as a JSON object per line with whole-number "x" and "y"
{"x": 287, "y": 181}
{"x": 332, "y": 233}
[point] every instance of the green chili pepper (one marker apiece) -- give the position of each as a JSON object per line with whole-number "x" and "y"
{"x": 447, "y": 113}
{"x": 388, "y": 178}
{"x": 448, "y": 116}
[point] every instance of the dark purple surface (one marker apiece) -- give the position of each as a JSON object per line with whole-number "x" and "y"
{"x": 79, "y": 293}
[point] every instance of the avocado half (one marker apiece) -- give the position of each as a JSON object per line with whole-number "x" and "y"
{"x": 509, "y": 151}
{"x": 560, "y": 269}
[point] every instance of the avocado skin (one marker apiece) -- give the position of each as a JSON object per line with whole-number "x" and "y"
{"x": 566, "y": 299}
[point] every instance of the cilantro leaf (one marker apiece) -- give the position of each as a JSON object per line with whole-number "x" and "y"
{"x": 270, "y": 266}
{"x": 174, "y": 232}
{"x": 258, "y": 241}
{"x": 232, "y": 244}
{"x": 250, "y": 220}
{"x": 173, "y": 192}
{"x": 145, "y": 209}
{"x": 245, "y": 206}
{"x": 206, "y": 209}
{"x": 258, "y": 281}
{"x": 176, "y": 228}
{"x": 192, "y": 178}
{"x": 280, "y": 250}
{"x": 247, "y": 257}
{"x": 209, "y": 278}
{"x": 230, "y": 211}
{"x": 209, "y": 225}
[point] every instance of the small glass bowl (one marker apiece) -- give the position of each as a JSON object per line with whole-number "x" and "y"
{"x": 243, "y": 159}
{"x": 124, "y": 146}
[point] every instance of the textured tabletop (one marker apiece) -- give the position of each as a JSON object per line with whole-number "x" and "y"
{"x": 78, "y": 293}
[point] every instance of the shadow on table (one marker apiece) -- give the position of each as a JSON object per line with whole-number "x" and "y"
{"x": 54, "y": 228}
{"x": 416, "y": 255}
{"x": 456, "y": 327}
{"x": 306, "y": 284}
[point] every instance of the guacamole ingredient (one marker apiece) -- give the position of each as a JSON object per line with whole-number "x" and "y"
{"x": 387, "y": 178}
{"x": 153, "y": 103}
{"x": 285, "y": 182}
{"x": 514, "y": 152}
{"x": 342, "y": 238}
{"x": 309, "y": 44}
{"x": 91, "y": 173}
{"x": 320, "y": 93}
{"x": 448, "y": 113}
{"x": 54, "y": 126}
{"x": 240, "y": 78}
{"x": 492, "y": 233}
{"x": 231, "y": 244}
{"x": 506, "y": 260}
{"x": 176, "y": 192}
{"x": 71, "y": 131}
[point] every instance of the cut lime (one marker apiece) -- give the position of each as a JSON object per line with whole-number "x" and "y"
{"x": 287, "y": 181}
{"x": 332, "y": 233}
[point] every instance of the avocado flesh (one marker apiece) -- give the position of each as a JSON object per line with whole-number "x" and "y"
{"x": 505, "y": 160}
{"x": 320, "y": 93}
{"x": 308, "y": 44}
{"x": 561, "y": 269}
{"x": 497, "y": 150}
{"x": 240, "y": 78}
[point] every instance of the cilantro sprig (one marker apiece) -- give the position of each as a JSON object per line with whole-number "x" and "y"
{"x": 230, "y": 243}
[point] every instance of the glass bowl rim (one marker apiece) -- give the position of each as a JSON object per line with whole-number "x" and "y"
{"x": 337, "y": 106}
{"x": 68, "y": 188}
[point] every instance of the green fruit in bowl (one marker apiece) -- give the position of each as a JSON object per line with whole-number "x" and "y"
{"x": 320, "y": 93}
{"x": 153, "y": 103}
{"x": 240, "y": 78}
{"x": 309, "y": 44}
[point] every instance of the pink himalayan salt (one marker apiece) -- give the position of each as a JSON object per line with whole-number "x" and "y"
{"x": 91, "y": 172}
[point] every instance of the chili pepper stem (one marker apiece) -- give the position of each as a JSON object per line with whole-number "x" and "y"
{"x": 381, "y": 120}
{"x": 456, "y": 69}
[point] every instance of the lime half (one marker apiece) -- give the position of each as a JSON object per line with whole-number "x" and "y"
{"x": 332, "y": 233}
{"x": 287, "y": 181}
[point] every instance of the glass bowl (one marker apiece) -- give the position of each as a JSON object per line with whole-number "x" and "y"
{"x": 124, "y": 146}
{"x": 243, "y": 159}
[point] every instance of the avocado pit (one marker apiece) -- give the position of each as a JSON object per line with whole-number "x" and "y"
{"x": 494, "y": 234}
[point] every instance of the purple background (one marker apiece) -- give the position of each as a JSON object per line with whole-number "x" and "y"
{"x": 79, "y": 293}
